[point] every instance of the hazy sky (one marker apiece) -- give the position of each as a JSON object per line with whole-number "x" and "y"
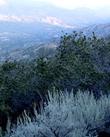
{"x": 68, "y": 4}
{"x": 72, "y": 4}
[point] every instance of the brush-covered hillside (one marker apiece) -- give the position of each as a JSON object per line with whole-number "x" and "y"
{"x": 77, "y": 63}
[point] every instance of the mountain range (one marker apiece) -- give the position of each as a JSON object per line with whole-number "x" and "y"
{"x": 47, "y": 13}
{"x": 35, "y": 26}
{"x": 101, "y": 30}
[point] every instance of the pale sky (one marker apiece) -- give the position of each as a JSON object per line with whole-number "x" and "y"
{"x": 68, "y": 4}
{"x": 72, "y": 4}
{"x": 2, "y": 2}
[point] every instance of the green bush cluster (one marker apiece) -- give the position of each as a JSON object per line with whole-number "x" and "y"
{"x": 79, "y": 62}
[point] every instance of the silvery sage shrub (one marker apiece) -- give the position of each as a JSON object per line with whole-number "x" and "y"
{"x": 65, "y": 115}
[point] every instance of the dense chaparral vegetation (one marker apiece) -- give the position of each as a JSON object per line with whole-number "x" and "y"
{"x": 79, "y": 63}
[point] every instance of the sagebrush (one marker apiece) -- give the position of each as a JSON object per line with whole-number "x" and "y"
{"x": 66, "y": 115}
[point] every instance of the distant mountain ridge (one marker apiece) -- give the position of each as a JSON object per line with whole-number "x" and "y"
{"x": 47, "y": 13}
{"x": 34, "y": 19}
{"x": 21, "y": 29}
{"x": 29, "y": 53}
{"x": 20, "y": 46}
{"x": 101, "y": 30}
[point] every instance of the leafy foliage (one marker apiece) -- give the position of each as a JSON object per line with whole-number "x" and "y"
{"x": 66, "y": 115}
{"x": 79, "y": 62}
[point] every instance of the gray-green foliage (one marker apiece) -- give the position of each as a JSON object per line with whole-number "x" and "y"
{"x": 79, "y": 62}
{"x": 66, "y": 115}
